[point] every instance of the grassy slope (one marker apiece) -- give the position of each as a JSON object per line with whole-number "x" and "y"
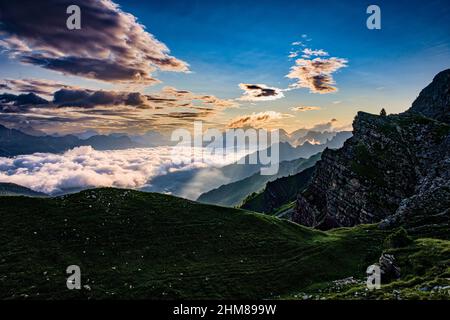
{"x": 141, "y": 245}
{"x": 425, "y": 274}
{"x": 279, "y": 193}
{"x": 132, "y": 244}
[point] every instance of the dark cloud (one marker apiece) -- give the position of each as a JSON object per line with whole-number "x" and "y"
{"x": 186, "y": 115}
{"x": 89, "y": 98}
{"x": 20, "y": 103}
{"x": 37, "y": 120}
{"x": 70, "y": 96}
{"x": 37, "y": 86}
{"x": 107, "y": 110}
{"x": 260, "y": 92}
{"x": 111, "y": 45}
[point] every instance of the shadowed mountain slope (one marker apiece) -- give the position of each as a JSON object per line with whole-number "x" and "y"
{"x": 389, "y": 168}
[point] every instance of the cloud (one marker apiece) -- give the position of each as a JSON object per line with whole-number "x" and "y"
{"x": 293, "y": 54}
{"x": 257, "y": 120}
{"x": 190, "y": 97}
{"x": 305, "y": 108}
{"x": 89, "y": 98}
{"x": 110, "y": 46}
{"x": 20, "y": 103}
{"x": 187, "y": 115}
{"x": 168, "y": 97}
{"x": 107, "y": 110}
{"x": 22, "y": 99}
{"x": 316, "y": 74}
{"x": 37, "y": 86}
{"x": 260, "y": 92}
{"x": 325, "y": 126}
{"x": 308, "y": 53}
{"x": 85, "y": 167}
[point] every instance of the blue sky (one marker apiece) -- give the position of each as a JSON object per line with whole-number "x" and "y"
{"x": 232, "y": 42}
{"x": 227, "y": 42}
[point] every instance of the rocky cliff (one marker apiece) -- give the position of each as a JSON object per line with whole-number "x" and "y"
{"x": 395, "y": 168}
{"x": 434, "y": 100}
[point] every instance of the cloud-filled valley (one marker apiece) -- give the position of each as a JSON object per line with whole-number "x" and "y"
{"x": 84, "y": 167}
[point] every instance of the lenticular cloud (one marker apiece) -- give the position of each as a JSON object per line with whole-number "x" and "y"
{"x": 84, "y": 167}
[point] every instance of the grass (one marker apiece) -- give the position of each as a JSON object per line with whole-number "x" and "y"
{"x": 278, "y": 194}
{"x": 425, "y": 268}
{"x": 286, "y": 206}
{"x": 135, "y": 245}
{"x": 141, "y": 245}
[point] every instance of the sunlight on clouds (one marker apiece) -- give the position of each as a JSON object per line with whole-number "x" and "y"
{"x": 258, "y": 120}
{"x": 85, "y": 167}
{"x": 305, "y": 108}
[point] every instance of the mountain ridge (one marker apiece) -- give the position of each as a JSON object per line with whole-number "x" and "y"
{"x": 14, "y": 142}
{"x": 390, "y": 162}
{"x": 12, "y": 189}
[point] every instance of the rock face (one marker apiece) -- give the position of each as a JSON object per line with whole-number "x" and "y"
{"x": 388, "y": 267}
{"x": 395, "y": 168}
{"x": 434, "y": 100}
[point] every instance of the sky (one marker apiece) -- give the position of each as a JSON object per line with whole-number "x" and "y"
{"x": 136, "y": 66}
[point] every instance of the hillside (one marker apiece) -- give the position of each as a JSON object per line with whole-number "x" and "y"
{"x": 234, "y": 193}
{"x": 131, "y": 244}
{"x": 278, "y": 193}
{"x": 11, "y": 189}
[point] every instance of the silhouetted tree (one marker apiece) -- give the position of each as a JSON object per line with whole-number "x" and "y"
{"x": 383, "y": 112}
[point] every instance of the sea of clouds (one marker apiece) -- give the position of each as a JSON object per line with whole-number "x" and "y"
{"x": 84, "y": 167}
